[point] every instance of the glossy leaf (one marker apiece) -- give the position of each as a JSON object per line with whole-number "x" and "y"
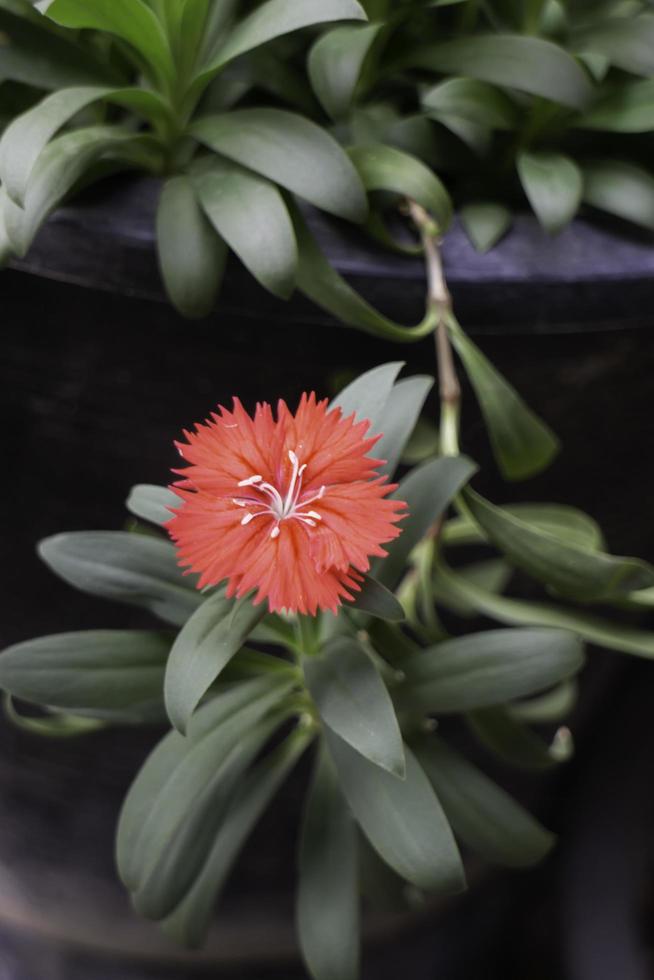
{"x": 378, "y": 601}
{"x": 622, "y": 189}
{"x": 402, "y": 819}
{"x": 529, "y": 64}
{"x": 427, "y": 491}
{"x": 190, "y": 921}
{"x": 152, "y": 503}
{"x": 567, "y": 523}
{"x": 553, "y": 184}
{"x": 398, "y": 419}
{"x": 368, "y": 394}
{"x": 522, "y": 443}
{"x": 482, "y": 814}
{"x": 485, "y": 223}
{"x": 292, "y": 152}
{"x": 594, "y": 629}
{"x": 191, "y": 255}
{"x": 249, "y": 213}
{"x": 133, "y": 568}
{"x": 384, "y": 168}
{"x": 352, "y": 701}
{"x": 172, "y": 783}
{"x": 488, "y": 668}
{"x": 335, "y": 64}
{"x": 115, "y": 675}
{"x": 565, "y": 566}
{"x": 327, "y": 909}
{"x": 131, "y": 20}
{"x": 517, "y": 745}
{"x": 205, "y": 645}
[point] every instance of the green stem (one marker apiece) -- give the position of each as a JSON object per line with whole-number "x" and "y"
{"x": 308, "y": 635}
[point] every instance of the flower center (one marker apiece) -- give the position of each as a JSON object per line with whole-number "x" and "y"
{"x": 271, "y": 502}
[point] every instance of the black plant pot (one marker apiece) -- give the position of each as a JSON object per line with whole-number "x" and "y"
{"x": 96, "y": 383}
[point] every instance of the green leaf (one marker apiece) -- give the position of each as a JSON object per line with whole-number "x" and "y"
{"x": 485, "y": 223}
{"x": 61, "y": 164}
{"x": 335, "y": 64}
{"x": 368, "y": 394}
{"x": 567, "y": 523}
{"x": 292, "y": 152}
{"x": 115, "y": 675}
{"x": 208, "y": 641}
{"x": 34, "y": 54}
{"x": 398, "y": 419}
{"x": 327, "y": 909}
{"x": 594, "y": 629}
{"x": 190, "y": 921}
{"x": 131, "y": 20}
{"x": 249, "y": 213}
{"x": 132, "y": 568}
{"x": 488, "y": 668}
{"x": 552, "y": 706}
{"x": 528, "y": 64}
{"x": 471, "y": 100}
{"x": 492, "y": 575}
{"x": 277, "y": 17}
{"x": 627, "y": 42}
{"x": 553, "y": 184}
{"x": 402, "y": 819}
{"x": 52, "y": 724}
{"x": 352, "y": 701}
{"x": 622, "y": 189}
{"x": 384, "y": 168}
{"x": 152, "y": 503}
{"x": 23, "y": 141}
{"x": 427, "y": 491}
{"x": 172, "y": 782}
{"x": 191, "y": 255}
{"x": 522, "y": 443}
{"x": 424, "y": 443}
{"x": 378, "y": 601}
{"x": 626, "y": 108}
{"x": 482, "y": 815}
{"x": 571, "y": 570}
{"x": 515, "y": 744}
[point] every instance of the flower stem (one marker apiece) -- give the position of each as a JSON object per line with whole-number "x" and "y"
{"x": 307, "y": 635}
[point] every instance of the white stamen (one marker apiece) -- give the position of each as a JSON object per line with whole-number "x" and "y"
{"x": 251, "y": 480}
{"x": 275, "y": 531}
{"x": 277, "y": 506}
{"x": 247, "y": 519}
{"x": 240, "y": 503}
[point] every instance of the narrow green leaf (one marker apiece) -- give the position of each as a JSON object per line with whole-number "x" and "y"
{"x": 292, "y": 152}
{"x": 115, "y": 675}
{"x": 554, "y": 705}
{"x": 172, "y": 780}
{"x": 472, "y": 100}
{"x": 625, "y": 108}
{"x": 327, "y": 909}
{"x": 424, "y": 443}
{"x": 485, "y": 223}
{"x": 384, "y": 168}
{"x": 152, "y": 503}
{"x": 378, "y": 601}
{"x": 335, "y": 64}
{"x": 190, "y": 921}
{"x": 277, "y": 17}
{"x": 368, "y": 394}
{"x": 52, "y": 724}
{"x": 191, "y": 255}
{"x": 488, "y": 668}
{"x": 529, "y": 64}
{"x": 553, "y": 184}
{"x": 131, "y": 20}
{"x": 132, "y": 568}
{"x": 622, "y": 189}
{"x": 594, "y": 629}
{"x": 482, "y": 814}
{"x": 571, "y": 570}
{"x": 203, "y": 647}
{"x": 353, "y": 702}
{"x": 249, "y": 213}
{"x": 398, "y": 419}
{"x": 567, "y": 523}
{"x": 515, "y": 744}
{"x": 627, "y": 42}
{"x": 522, "y": 443}
{"x": 427, "y": 491}
{"x": 402, "y": 819}
{"x": 492, "y": 575}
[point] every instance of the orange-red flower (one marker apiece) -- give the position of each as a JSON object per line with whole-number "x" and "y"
{"x": 291, "y": 507}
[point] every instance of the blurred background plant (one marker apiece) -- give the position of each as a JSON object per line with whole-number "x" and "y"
{"x": 482, "y": 107}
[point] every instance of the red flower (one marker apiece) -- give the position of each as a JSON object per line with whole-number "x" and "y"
{"x": 290, "y": 506}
